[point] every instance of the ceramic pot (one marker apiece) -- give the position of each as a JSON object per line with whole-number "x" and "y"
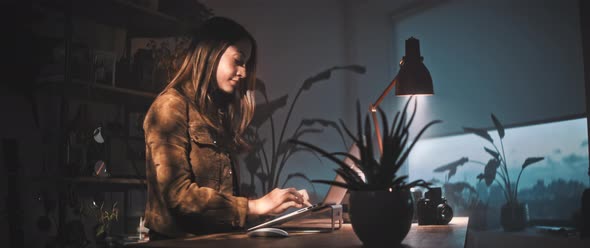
{"x": 514, "y": 217}
{"x": 381, "y": 217}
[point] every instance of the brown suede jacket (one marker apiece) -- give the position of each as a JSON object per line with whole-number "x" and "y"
{"x": 190, "y": 188}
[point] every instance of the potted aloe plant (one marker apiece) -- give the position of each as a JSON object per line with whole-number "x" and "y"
{"x": 513, "y": 214}
{"x": 381, "y": 205}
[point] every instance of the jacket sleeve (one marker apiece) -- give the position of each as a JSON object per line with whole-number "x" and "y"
{"x": 166, "y": 130}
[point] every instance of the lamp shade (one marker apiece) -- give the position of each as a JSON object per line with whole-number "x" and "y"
{"x": 413, "y": 76}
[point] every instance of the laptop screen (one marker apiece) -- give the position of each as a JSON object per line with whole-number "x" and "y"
{"x": 336, "y": 194}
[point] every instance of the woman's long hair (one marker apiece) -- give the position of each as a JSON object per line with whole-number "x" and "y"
{"x": 199, "y": 70}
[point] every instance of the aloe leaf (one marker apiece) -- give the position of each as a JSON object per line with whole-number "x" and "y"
{"x": 384, "y": 122}
{"x": 298, "y": 175}
{"x": 479, "y": 132}
{"x": 349, "y": 176}
{"x": 499, "y": 126}
{"x": 407, "y": 151}
{"x": 349, "y": 156}
{"x": 401, "y": 124}
{"x": 368, "y": 137}
{"x": 348, "y": 132}
{"x": 418, "y": 183}
{"x": 413, "y": 113}
{"x": 399, "y": 180}
{"x": 531, "y": 160}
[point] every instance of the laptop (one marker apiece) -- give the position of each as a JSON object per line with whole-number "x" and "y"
{"x": 333, "y": 197}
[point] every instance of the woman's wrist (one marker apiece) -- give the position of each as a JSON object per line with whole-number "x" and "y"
{"x": 252, "y": 210}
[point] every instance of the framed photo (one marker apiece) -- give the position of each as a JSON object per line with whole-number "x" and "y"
{"x": 104, "y": 66}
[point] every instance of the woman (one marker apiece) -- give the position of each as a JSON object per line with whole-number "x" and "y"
{"x": 194, "y": 128}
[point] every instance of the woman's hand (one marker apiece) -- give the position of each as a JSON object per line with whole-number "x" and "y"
{"x": 278, "y": 200}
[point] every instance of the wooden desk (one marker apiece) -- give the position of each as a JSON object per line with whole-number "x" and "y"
{"x": 526, "y": 238}
{"x": 451, "y": 236}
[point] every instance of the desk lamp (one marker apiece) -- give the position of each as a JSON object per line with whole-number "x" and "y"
{"x": 412, "y": 79}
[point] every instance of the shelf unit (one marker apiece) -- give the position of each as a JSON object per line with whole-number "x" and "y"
{"x": 139, "y": 22}
{"x": 96, "y": 92}
{"x": 110, "y": 184}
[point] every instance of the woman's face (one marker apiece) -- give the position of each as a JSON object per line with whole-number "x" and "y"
{"x": 232, "y": 67}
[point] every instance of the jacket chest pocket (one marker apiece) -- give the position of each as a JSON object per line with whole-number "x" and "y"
{"x": 208, "y": 161}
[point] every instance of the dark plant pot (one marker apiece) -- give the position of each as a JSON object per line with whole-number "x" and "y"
{"x": 381, "y": 217}
{"x": 478, "y": 217}
{"x": 514, "y": 217}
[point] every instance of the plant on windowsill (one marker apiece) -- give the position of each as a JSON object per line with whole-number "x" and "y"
{"x": 514, "y": 214}
{"x": 381, "y": 205}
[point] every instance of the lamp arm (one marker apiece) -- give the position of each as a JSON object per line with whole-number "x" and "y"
{"x": 373, "y": 109}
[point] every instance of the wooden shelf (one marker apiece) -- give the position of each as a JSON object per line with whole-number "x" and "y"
{"x": 94, "y": 91}
{"x": 107, "y": 183}
{"x": 104, "y": 184}
{"x": 106, "y": 180}
{"x": 139, "y": 21}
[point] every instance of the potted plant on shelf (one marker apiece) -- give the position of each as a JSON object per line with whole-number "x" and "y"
{"x": 104, "y": 218}
{"x": 513, "y": 214}
{"x": 381, "y": 205}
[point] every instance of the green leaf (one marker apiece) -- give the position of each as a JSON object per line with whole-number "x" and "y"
{"x": 354, "y": 159}
{"x": 531, "y": 160}
{"x": 490, "y": 171}
{"x": 492, "y": 152}
{"x": 499, "y": 126}
{"x": 479, "y": 132}
{"x": 100, "y": 230}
